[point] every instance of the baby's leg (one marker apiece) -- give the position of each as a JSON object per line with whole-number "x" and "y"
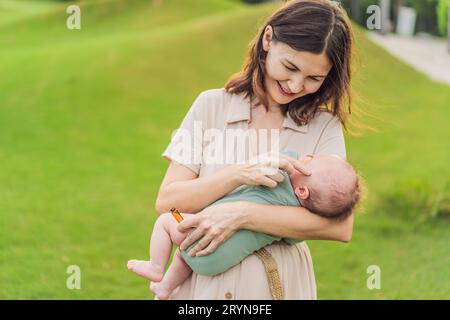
{"x": 177, "y": 273}
{"x": 164, "y": 234}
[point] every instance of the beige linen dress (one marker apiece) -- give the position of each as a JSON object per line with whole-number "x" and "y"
{"x": 217, "y": 109}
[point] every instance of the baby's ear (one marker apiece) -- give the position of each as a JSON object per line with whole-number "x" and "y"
{"x": 302, "y": 192}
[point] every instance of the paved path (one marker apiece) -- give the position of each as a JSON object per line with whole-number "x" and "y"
{"x": 428, "y": 55}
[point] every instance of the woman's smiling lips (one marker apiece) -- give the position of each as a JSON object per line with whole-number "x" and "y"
{"x": 283, "y": 91}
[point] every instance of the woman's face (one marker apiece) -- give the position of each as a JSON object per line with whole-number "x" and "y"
{"x": 291, "y": 74}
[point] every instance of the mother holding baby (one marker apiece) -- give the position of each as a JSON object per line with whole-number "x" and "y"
{"x": 296, "y": 80}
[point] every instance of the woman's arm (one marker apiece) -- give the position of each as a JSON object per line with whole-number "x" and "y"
{"x": 294, "y": 222}
{"x": 217, "y": 223}
{"x": 182, "y": 189}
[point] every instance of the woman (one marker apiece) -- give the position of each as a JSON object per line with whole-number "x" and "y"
{"x": 296, "y": 80}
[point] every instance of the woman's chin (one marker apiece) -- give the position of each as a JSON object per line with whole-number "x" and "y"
{"x": 280, "y": 99}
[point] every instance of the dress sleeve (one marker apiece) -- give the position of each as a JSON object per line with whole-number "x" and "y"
{"x": 186, "y": 147}
{"x": 331, "y": 140}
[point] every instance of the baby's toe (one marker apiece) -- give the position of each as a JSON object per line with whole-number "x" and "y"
{"x": 131, "y": 264}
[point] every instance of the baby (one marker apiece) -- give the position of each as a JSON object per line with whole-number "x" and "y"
{"x": 332, "y": 191}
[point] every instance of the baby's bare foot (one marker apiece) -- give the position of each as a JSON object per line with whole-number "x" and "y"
{"x": 161, "y": 291}
{"x": 146, "y": 269}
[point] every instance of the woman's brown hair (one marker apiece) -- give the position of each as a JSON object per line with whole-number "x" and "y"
{"x": 315, "y": 26}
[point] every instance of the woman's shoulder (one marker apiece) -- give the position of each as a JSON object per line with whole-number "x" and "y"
{"x": 215, "y": 104}
{"x": 324, "y": 118}
{"x": 216, "y": 95}
{"x": 207, "y": 102}
{"x": 220, "y": 99}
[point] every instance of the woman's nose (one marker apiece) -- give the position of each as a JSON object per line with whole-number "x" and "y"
{"x": 296, "y": 86}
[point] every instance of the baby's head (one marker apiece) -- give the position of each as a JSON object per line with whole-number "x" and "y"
{"x": 333, "y": 188}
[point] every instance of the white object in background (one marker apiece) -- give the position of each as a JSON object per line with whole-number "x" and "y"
{"x": 385, "y": 6}
{"x": 406, "y": 22}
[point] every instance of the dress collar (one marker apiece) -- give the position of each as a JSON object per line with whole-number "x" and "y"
{"x": 240, "y": 110}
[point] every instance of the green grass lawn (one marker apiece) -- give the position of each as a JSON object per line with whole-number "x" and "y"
{"x": 86, "y": 114}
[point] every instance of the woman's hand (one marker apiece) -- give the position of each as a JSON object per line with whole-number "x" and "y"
{"x": 263, "y": 169}
{"x": 213, "y": 225}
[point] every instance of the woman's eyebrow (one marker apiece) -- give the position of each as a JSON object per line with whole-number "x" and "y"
{"x": 297, "y": 68}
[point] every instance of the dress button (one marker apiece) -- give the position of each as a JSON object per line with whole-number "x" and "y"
{"x": 228, "y": 295}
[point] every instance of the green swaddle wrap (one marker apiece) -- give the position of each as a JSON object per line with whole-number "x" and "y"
{"x": 244, "y": 242}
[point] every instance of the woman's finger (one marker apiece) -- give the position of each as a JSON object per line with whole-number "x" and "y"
{"x": 191, "y": 238}
{"x": 301, "y": 167}
{"x": 202, "y": 244}
{"x": 216, "y": 242}
{"x": 286, "y": 165}
{"x": 277, "y": 177}
{"x": 266, "y": 181}
{"x": 213, "y": 245}
{"x": 190, "y": 223}
{"x": 297, "y": 165}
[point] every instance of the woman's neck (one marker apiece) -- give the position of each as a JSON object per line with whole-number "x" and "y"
{"x": 273, "y": 107}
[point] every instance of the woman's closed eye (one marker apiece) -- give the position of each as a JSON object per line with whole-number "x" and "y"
{"x": 292, "y": 70}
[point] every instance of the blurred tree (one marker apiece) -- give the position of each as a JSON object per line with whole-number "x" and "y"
{"x": 386, "y": 24}
{"x": 443, "y": 16}
{"x": 426, "y": 15}
{"x": 397, "y": 5}
{"x": 443, "y": 13}
{"x": 356, "y": 10}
